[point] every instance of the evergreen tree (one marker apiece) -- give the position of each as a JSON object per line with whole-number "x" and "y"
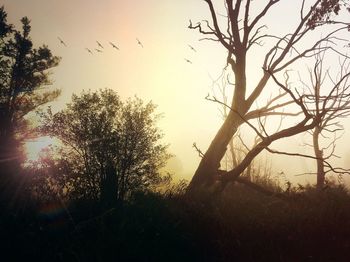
{"x": 23, "y": 71}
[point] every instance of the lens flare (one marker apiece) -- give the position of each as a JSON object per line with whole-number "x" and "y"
{"x": 33, "y": 148}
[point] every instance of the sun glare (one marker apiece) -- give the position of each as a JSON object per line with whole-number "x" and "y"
{"x": 33, "y": 148}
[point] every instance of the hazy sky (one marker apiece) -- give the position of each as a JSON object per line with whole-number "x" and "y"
{"x": 157, "y": 72}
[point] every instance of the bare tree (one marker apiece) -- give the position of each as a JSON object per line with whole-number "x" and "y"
{"x": 238, "y": 148}
{"x": 237, "y": 35}
{"x": 336, "y": 107}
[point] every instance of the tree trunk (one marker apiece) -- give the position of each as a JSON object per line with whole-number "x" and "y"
{"x": 319, "y": 158}
{"x": 10, "y": 179}
{"x": 108, "y": 186}
{"x": 210, "y": 163}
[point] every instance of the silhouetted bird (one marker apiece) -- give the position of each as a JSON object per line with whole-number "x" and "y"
{"x": 89, "y": 50}
{"x": 188, "y": 61}
{"x": 63, "y": 43}
{"x": 192, "y": 48}
{"x": 98, "y": 50}
{"x": 139, "y": 42}
{"x": 99, "y": 44}
{"x": 114, "y": 46}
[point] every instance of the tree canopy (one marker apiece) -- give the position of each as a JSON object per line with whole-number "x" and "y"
{"x": 109, "y": 145}
{"x": 24, "y": 74}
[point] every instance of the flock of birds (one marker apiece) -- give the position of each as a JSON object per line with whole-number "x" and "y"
{"x": 101, "y": 47}
{"x": 194, "y": 50}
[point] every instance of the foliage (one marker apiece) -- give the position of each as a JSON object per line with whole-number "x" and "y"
{"x": 103, "y": 137}
{"x": 107, "y": 145}
{"x": 239, "y": 225}
{"x": 322, "y": 14}
{"x": 23, "y": 75}
{"x": 23, "y": 71}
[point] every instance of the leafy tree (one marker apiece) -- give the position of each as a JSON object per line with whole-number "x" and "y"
{"x": 112, "y": 147}
{"x": 23, "y": 71}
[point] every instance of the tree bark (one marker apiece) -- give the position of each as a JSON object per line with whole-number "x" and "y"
{"x": 319, "y": 158}
{"x": 210, "y": 162}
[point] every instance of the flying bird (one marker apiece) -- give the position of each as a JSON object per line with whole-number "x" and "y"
{"x": 98, "y": 50}
{"x": 62, "y": 42}
{"x": 99, "y": 44}
{"x": 188, "y": 61}
{"x": 87, "y": 49}
{"x": 114, "y": 46}
{"x": 139, "y": 42}
{"x": 192, "y": 48}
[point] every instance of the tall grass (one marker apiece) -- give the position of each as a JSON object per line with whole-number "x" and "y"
{"x": 240, "y": 224}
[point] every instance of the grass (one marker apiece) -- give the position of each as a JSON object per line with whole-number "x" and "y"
{"x": 238, "y": 225}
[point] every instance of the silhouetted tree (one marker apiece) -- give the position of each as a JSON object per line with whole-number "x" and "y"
{"x": 336, "y": 107}
{"x": 113, "y": 147}
{"x": 238, "y": 32}
{"x": 23, "y": 70}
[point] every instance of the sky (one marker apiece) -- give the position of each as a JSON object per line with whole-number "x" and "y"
{"x": 157, "y": 72}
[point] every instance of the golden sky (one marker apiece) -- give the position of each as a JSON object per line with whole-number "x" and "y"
{"x": 157, "y": 72}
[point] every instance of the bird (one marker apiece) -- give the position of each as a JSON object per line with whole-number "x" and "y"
{"x": 99, "y": 44}
{"x": 98, "y": 50}
{"x": 139, "y": 42}
{"x": 188, "y": 61}
{"x": 114, "y": 46}
{"x": 192, "y": 48}
{"x": 89, "y": 50}
{"x": 62, "y": 42}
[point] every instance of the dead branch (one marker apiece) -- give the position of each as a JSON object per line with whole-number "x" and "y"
{"x": 200, "y": 153}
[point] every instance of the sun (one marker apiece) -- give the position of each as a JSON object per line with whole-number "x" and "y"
{"x": 33, "y": 147}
